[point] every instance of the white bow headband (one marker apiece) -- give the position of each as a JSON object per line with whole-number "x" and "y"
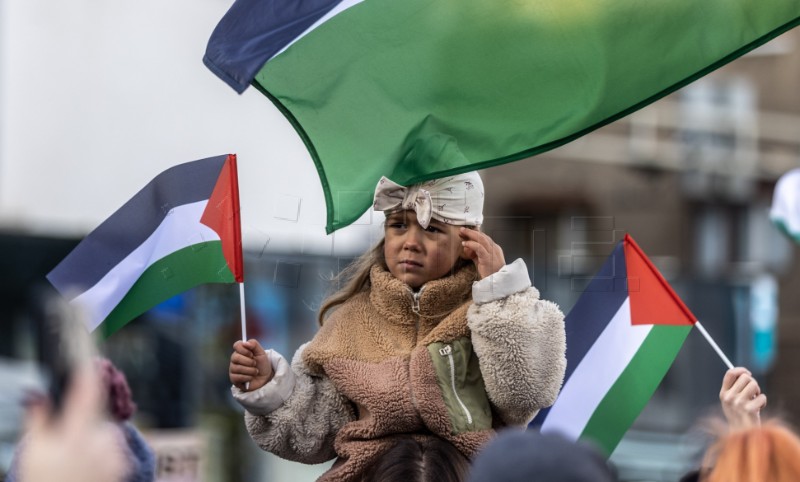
{"x": 453, "y": 200}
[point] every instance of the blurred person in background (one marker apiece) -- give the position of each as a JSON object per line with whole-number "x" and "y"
{"x": 768, "y": 452}
{"x": 75, "y": 445}
{"x": 86, "y": 442}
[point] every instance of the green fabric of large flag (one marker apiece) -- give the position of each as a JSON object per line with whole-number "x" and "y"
{"x": 419, "y": 89}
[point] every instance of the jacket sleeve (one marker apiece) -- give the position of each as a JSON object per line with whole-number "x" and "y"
{"x": 298, "y": 416}
{"x": 520, "y": 343}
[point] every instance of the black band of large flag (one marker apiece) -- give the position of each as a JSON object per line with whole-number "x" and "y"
{"x": 134, "y": 222}
{"x": 253, "y": 31}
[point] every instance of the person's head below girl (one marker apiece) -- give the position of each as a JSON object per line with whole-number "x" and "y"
{"x": 431, "y": 231}
{"x": 424, "y": 459}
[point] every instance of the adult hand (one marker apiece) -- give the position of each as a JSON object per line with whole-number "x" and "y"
{"x": 250, "y": 368}
{"x": 482, "y": 250}
{"x": 76, "y": 446}
{"x": 741, "y": 398}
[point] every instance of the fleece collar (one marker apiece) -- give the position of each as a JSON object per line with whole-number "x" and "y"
{"x": 395, "y": 299}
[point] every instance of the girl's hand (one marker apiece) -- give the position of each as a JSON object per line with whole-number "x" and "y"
{"x": 741, "y": 398}
{"x": 485, "y": 253}
{"x": 250, "y": 368}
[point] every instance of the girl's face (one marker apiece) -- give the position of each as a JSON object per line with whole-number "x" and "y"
{"x": 415, "y": 255}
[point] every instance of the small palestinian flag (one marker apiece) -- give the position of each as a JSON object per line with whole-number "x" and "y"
{"x": 622, "y": 336}
{"x": 179, "y": 231}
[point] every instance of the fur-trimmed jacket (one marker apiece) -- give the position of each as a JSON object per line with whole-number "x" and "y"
{"x": 456, "y": 359}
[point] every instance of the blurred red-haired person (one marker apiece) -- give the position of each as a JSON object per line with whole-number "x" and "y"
{"x": 760, "y": 453}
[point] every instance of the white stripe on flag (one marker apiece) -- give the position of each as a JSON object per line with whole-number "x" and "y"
{"x": 180, "y": 228}
{"x": 344, "y": 5}
{"x": 598, "y": 371}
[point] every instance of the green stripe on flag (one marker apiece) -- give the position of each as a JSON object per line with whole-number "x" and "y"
{"x": 417, "y": 89}
{"x": 167, "y": 277}
{"x": 635, "y": 386}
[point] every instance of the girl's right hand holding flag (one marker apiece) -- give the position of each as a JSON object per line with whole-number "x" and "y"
{"x": 250, "y": 368}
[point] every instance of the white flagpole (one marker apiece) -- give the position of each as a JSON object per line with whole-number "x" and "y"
{"x": 713, "y": 344}
{"x": 241, "y": 305}
{"x": 244, "y": 324}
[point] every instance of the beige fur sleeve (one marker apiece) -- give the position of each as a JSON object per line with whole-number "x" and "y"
{"x": 521, "y": 346}
{"x": 304, "y": 427}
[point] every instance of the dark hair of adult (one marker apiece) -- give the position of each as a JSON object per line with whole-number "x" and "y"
{"x": 410, "y": 460}
{"x": 525, "y": 456}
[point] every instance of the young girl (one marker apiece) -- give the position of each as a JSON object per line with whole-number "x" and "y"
{"x": 432, "y": 336}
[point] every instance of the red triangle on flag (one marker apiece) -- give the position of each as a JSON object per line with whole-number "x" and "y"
{"x": 653, "y": 302}
{"x": 222, "y": 215}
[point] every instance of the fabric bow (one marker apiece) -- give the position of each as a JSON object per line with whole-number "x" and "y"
{"x": 390, "y": 196}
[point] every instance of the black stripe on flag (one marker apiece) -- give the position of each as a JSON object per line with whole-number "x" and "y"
{"x": 255, "y": 30}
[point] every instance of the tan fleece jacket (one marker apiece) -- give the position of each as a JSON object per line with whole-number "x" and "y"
{"x": 388, "y": 362}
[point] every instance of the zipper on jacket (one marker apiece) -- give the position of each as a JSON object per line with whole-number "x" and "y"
{"x": 447, "y": 351}
{"x": 415, "y": 298}
{"x": 415, "y": 308}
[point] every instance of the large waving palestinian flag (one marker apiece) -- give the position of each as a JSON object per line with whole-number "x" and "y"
{"x": 419, "y": 89}
{"x": 622, "y": 336}
{"x": 181, "y": 230}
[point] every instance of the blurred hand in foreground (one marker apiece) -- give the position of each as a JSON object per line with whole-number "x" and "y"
{"x": 77, "y": 445}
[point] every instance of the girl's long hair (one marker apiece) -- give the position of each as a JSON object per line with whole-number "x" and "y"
{"x": 768, "y": 453}
{"x": 353, "y": 280}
